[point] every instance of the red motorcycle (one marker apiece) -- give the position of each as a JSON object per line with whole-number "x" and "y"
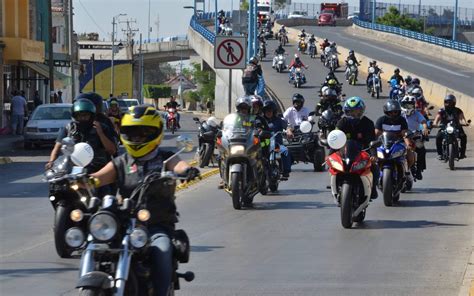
{"x": 172, "y": 120}
{"x": 351, "y": 177}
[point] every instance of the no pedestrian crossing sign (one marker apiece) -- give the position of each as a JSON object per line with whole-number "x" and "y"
{"x": 229, "y": 52}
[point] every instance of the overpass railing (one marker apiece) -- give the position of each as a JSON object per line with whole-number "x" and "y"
{"x": 418, "y": 36}
{"x": 205, "y": 32}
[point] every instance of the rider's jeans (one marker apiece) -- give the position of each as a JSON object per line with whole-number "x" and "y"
{"x": 161, "y": 255}
{"x": 285, "y": 159}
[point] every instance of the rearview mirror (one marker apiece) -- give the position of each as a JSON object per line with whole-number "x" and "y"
{"x": 469, "y": 121}
{"x": 195, "y": 119}
{"x": 185, "y": 142}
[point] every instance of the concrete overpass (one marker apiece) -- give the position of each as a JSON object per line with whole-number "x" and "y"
{"x": 165, "y": 51}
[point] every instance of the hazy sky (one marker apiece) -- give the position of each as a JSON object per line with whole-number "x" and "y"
{"x": 96, "y": 15}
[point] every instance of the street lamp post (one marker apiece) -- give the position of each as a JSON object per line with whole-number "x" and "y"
{"x": 112, "y": 81}
{"x": 455, "y": 19}
{"x": 149, "y": 29}
{"x": 180, "y": 88}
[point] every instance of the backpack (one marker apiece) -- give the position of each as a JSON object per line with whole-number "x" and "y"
{"x": 250, "y": 73}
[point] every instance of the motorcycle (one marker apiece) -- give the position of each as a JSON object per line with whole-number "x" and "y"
{"x": 207, "y": 141}
{"x": 351, "y": 177}
{"x": 172, "y": 120}
{"x": 302, "y": 45}
{"x": 116, "y": 260}
{"x": 351, "y": 72}
{"x": 331, "y": 62}
{"x": 262, "y": 51}
{"x": 396, "y": 93}
{"x": 297, "y": 77}
{"x": 312, "y": 50}
{"x": 305, "y": 147}
{"x": 327, "y": 123}
{"x": 281, "y": 63}
{"x": 283, "y": 38}
{"x": 274, "y": 164}
{"x": 64, "y": 195}
{"x": 241, "y": 164}
{"x": 374, "y": 83}
{"x": 451, "y": 142}
{"x": 394, "y": 174}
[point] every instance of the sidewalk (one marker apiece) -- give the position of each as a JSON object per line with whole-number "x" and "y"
{"x": 8, "y": 144}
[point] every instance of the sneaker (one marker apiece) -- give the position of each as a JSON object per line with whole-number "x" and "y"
{"x": 440, "y": 157}
{"x": 462, "y": 156}
{"x": 285, "y": 176}
{"x": 418, "y": 175}
{"x": 221, "y": 185}
{"x": 374, "y": 194}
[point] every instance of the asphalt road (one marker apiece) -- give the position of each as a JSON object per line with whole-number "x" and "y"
{"x": 291, "y": 243}
{"x": 450, "y": 75}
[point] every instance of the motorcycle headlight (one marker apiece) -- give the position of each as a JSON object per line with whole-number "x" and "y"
{"x": 138, "y": 238}
{"x": 237, "y": 149}
{"x": 74, "y": 237}
{"x": 334, "y": 56}
{"x": 76, "y": 215}
{"x": 450, "y": 129}
{"x": 359, "y": 166}
{"x": 336, "y": 165}
{"x": 380, "y": 154}
{"x": 103, "y": 226}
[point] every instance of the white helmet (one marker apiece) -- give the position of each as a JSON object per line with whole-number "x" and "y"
{"x": 212, "y": 121}
{"x": 408, "y": 104}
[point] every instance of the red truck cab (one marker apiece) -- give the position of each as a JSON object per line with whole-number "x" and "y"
{"x": 327, "y": 18}
{"x": 331, "y": 11}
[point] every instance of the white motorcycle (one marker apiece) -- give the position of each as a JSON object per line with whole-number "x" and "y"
{"x": 280, "y": 63}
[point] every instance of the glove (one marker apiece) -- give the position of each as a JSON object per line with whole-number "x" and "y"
{"x": 192, "y": 173}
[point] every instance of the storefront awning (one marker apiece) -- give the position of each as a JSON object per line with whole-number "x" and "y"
{"x": 43, "y": 70}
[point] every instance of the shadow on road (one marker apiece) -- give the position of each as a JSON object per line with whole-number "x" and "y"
{"x": 431, "y": 203}
{"x": 439, "y": 190}
{"x": 200, "y": 249}
{"x": 24, "y": 272}
{"x": 292, "y": 205}
{"x": 394, "y": 224}
{"x": 297, "y": 192}
{"x": 468, "y": 168}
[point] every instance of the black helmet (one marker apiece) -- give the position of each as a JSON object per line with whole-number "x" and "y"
{"x": 269, "y": 104}
{"x": 297, "y": 98}
{"x": 83, "y": 105}
{"x": 254, "y": 60}
{"x": 326, "y": 40}
{"x": 415, "y": 81}
{"x": 397, "y": 70}
{"x": 95, "y": 98}
{"x": 392, "y": 106}
{"x": 408, "y": 79}
{"x": 450, "y": 100}
{"x": 302, "y": 31}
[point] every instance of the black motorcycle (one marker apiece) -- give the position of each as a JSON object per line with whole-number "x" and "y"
{"x": 451, "y": 142}
{"x": 241, "y": 162}
{"x": 305, "y": 147}
{"x": 326, "y": 123}
{"x": 274, "y": 162}
{"x": 116, "y": 260}
{"x": 65, "y": 195}
{"x": 207, "y": 141}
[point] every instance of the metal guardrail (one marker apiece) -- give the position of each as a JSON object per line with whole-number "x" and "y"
{"x": 464, "y": 47}
{"x": 205, "y": 32}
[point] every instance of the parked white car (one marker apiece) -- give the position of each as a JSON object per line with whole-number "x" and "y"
{"x": 299, "y": 14}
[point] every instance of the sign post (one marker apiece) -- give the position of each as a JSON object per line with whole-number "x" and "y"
{"x": 229, "y": 53}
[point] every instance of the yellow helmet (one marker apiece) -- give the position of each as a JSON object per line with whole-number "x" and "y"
{"x": 332, "y": 82}
{"x": 141, "y": 130}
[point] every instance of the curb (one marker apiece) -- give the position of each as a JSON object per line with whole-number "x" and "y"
{"x": 5, "y": 160}
{"x": 204, "y": 176}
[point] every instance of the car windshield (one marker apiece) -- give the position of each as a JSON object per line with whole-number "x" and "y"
{"x": 263, "y": 8}
{"x": 131, "y": 103}
{"x": 52, "y": 113}
{"x": 328, "y": 11}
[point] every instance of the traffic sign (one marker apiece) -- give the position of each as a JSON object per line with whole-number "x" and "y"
{"x": 229, "y": 52}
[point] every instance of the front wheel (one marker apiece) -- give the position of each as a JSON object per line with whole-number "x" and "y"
{"x": 378, "y": 93}
{"x": 61, "y": 224}
{"x": 451, "y": 156}
{"x": 318, "y": 160}
{"x": 236, "y": 190}
{"x": 205, "y": 154}
{"x": 387, "y": 187}
{"x": 91, "y": 292}
{"x": 346, "y": 206}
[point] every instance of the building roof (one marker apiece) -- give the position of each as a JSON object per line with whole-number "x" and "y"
{"x": 186, "y": 83}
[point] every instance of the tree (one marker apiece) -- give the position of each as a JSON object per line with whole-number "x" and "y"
{"x": 244, "y": 5}
{"x": 206, "y": 81}
{"x": 395, "y": 19}
{"x": 157, "y": 73}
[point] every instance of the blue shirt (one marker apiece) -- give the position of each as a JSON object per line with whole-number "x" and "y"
{"x": 414, "y": 120}
{"x": 276, "y": 124}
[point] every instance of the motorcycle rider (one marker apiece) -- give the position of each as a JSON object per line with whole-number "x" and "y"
{"x": 393, "y": 121}
{"x": 361, "y": 129}
{"x": 396, "y": 75}
{"x": 277, "y": 124}
{"x": 303, "y": 34}
{"x": 278, "y": 51}
{"x": 351, "y": 57}
{"x": 334, "y": 51}
{"x": 251, "y": 75}
{"x": 329, "y": 100}
{"x": 323, "y": 47}
{"x": 414, "y": 120}
{"x": 114, "y": 113}
{"x": 377, "y": 70}
{"x": 296, "y": 63}
{"x": 295, "y": 114}
{"x": 445, "y": 115}
{"x": 172, "y": 104}
{"x": 312, "y": 42}
{"x": 141, "y": 133}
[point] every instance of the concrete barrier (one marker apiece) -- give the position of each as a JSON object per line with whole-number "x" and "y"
{"x": 443, "y": 53}
{"x": 434, "y": 92}
{"x": 311, "y": 22}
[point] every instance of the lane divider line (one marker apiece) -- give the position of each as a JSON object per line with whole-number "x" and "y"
{"x": 204, "y": 176}
{"x": 5, "y": 160}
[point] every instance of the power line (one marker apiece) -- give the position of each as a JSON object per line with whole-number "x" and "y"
{"x": 87, "y": 12}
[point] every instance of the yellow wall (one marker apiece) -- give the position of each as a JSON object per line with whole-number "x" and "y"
{"x": 122, "y": 77}
{"x": 17, "y": 18}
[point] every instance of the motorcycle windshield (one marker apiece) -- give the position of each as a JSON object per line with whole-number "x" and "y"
{"x": 351, "y": 150}
{"x": 237, "y": 126}
{"x": 389, "y": 138}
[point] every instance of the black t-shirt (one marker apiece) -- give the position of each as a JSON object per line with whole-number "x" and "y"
{"x": 389, "y": 124}
{"x": 159, "y": 197}
{"x": 172, "y": 104}
{"x": 101, "y": 157}
{"x": 362, "y": 131}
{"x": 450, "y": 114}
{"x": 398, "y": 77}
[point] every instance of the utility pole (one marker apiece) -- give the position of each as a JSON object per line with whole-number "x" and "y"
{"x": 93, "y": 71}
{"x": 71, "y": 51}
{"x": 141, "y": 70}
{"x": 149, "y": 28}
{"x": 50, "y": 52}
{"x": 113, "y": 53}
{"x": 130, "y": 33}
{"x": 455, "y": 19}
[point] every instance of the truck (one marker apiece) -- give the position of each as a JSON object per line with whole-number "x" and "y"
{"x": 339, "y": 10}
{"x": 264, "y": 10}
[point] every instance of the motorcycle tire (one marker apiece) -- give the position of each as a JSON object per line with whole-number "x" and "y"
{"x": 91, "y": 292}
{"x": 237, "y": 192}
{"x": 318, "y": 160}
{"x": 298, "y": 84}
{"x": 378, "y": 93}
{"x": 61, "y": 224}
{"x": 346, "y": 205}
{"x": 360, "y": 218}
{"x": 451, "y": 156}
{"x": 205, "y": 155}
{"x": 387, "y": 187}
{"x": 273, "y": 186}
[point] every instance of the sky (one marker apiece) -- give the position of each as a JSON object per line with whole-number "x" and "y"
{"x": 96, "y": 15}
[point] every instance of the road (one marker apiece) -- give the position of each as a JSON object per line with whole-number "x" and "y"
{"x": 291, "y": 243}
{"x": 450, "y": 75}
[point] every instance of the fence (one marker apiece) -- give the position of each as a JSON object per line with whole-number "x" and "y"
{"x": 205, "y": 32}
{"x": 418, "y": 36}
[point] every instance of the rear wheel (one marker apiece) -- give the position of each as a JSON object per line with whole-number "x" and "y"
{"x": 346, "y": 206}
{"x": 451, "y": 156}
{"x": 205, "y": 155}
{"x": 387, "y": 187}
{"x": 318, "y": 160}
{"x": 236, "y": 190}
{"x": 378, "y": 93}
{"x": 61, "y": 224}
{"x": 91, "y": 292}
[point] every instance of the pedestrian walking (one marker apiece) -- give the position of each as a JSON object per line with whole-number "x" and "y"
{"x": 36, "y": 99}
{"x": 209, "y": 106}
{"x": 251, "y": 76}
{"x": 18, "y": 108}
{"x": 60, "y": 96}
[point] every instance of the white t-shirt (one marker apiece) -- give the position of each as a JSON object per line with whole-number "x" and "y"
{"x": 294, "y": 117}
